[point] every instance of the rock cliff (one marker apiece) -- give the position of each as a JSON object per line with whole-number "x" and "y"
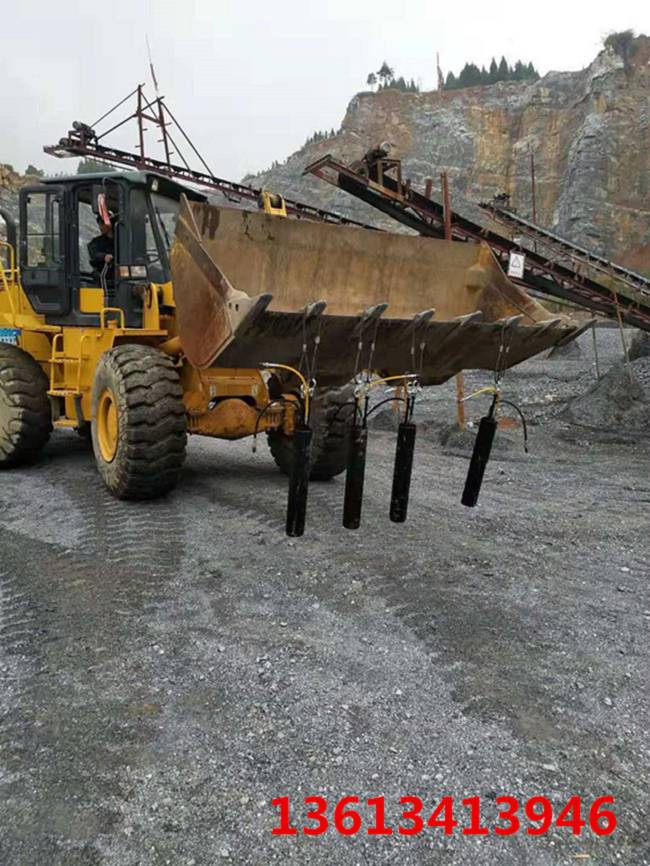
{"x": 589, "y": 132}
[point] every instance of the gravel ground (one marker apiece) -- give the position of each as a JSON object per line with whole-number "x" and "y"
{"x": 167, "y": 669}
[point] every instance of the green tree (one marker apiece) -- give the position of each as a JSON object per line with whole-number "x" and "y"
{"x": 622, "y": 43}
{"x": 371, "y": 81}
{"x": 450, "y": 82}
{"x": 89, "y": 166}
{"x": 531, "y": 73}
{"x": 470, "y": 76}
{"x": 385, "y": 74}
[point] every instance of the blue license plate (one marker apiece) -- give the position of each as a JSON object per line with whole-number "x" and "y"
{"x": 9, "y": 335}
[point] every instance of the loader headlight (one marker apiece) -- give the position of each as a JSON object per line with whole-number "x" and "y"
{"x": 134, "y": 272}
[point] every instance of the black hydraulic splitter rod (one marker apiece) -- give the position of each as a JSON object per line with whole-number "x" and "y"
{"x": 358, "y": 436}
{"x": 356, "y": 469}
{"x": 358, "y": 443}
{"x": 482, "y": 447}
{"x": 399, "y": 499}
{"x": 301, "y": 461}
{"x": 299, "y": 482}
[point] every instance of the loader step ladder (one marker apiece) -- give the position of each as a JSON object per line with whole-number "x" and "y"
{"x": 59, "y": 385}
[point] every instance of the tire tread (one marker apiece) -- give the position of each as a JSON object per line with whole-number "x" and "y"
{"x": 330, "y": 440}
{"x": 28, "y": 414}
{"x": 152, "y": 422}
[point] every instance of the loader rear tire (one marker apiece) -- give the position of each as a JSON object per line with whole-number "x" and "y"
{"x": 330, "y": 421}
{"x": 138, "y": 426}
{"x": 25, "y": 411}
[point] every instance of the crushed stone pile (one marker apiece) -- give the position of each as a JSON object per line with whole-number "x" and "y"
{"x": 461, "y": 442}
{"x": 640, "y": 346}
{"x": 614, "y": 404}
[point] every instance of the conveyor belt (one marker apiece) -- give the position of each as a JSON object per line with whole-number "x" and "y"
{"x": 565, "y": 248}
{"x": 75, "y": 144}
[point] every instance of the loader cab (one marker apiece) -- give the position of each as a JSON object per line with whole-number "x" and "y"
{"x": 58, "y": 219}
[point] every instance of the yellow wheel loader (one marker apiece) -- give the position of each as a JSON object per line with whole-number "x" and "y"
{"x": 226, "y": 323}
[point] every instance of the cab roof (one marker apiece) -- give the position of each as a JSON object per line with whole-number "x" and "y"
{"x": 150, "y": 179}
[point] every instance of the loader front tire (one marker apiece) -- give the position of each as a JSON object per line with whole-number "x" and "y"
{"x": 331, "y": 416}
{"x": 25, "y": 412}
{"x": 138, "y": 422}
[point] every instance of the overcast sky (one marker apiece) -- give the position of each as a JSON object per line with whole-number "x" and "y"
{"x": 251, "y": 80}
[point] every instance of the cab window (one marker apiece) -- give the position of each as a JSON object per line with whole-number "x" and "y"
{"x": 43, "y": 232}
{"x": 153, "y": 223}
{"x": 87, "y": 226}
{"x": 166, "y": 216}
{"x": 5, "y": 256}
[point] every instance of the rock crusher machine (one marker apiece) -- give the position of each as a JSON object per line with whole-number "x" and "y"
{"x": 226, "y": 323}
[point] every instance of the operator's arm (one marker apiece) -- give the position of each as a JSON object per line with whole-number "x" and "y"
{"x": 98, "y": 254}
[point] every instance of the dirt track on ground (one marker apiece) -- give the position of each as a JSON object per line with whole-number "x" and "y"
{"x": 166, "y": 669}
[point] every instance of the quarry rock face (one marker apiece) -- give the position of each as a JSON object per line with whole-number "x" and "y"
{"x": 10, "y": 183}
{"x": 589, "y": 132}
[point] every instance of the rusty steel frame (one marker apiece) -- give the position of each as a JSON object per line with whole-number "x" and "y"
{"x": 82, "y": 140}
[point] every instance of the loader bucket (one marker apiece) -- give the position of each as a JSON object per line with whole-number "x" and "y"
{"x": 251, "y": 288}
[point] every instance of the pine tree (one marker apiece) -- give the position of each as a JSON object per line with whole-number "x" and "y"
{"x": 472, "y": 75}
{"x": 385, "y": 74}
{"x": 464, "y": 77}
{"x": 371, "y": 81}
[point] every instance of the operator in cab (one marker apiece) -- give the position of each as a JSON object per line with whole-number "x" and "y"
{"x": 102, "y": 248}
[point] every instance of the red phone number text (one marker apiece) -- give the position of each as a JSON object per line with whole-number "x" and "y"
{"x": 534, "y": 816}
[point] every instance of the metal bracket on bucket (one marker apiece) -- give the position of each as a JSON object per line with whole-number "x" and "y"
{"x": 367, "y": 317}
